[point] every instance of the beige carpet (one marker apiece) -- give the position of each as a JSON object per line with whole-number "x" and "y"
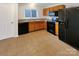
{"x": 36, "y": 43}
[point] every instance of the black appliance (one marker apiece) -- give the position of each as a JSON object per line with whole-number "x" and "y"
{"x": 53, "y": 13}
{"x": 69, "y": 26}
{"x": 51, "y": 27}
{"x": 23, "y": 28}
{"x": 56, "y": 13}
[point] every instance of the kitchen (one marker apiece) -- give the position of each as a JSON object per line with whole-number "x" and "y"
{"x": 40, "y": 30}
{"x": 42, "y": 18}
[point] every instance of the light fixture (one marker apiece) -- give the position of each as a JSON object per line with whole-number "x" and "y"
{"x": 32, "y": 5}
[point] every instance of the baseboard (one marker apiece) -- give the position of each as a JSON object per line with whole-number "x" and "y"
{"x": 2, "y": 38}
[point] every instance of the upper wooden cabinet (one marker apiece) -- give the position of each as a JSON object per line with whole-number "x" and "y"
{"x": 51, "y": 9}
{"x": 61, "y": 7}
{"x": 45, "y": 11}
{"x": 55, "y": 8}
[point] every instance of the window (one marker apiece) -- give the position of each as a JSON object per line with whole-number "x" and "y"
{"x": 31, "y": 13}
{"x": 27, "y": 13}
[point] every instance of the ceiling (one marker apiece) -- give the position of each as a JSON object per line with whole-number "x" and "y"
{"x": 38, "y": 4}
{"x": 44, "y": 5}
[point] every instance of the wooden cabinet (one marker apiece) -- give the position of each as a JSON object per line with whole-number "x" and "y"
{"x": 31, "y": 26}
{"x": 40, "y": 25}
{"x": 55, "y": 8}
{"x": 45, "y": 25}
{"x": 51, "y": 9}
{"x": 62, "y": 7}
{"x": 45, "y": 11}
{"x": 56, "y": 28}
{"x": 37, "y": 25}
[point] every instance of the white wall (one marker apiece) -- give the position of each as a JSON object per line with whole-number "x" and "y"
{"x": 40, "y": 6}
{"x": 8, "y": 20}
{"x": 23, "y": 6}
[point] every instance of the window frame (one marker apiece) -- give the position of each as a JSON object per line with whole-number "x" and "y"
{"x": 31, "y": 13}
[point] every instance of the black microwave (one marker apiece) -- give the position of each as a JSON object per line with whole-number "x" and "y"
{"x": 51, "y": 13}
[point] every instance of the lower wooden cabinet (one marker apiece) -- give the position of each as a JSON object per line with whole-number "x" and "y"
{"x": 37, "y": 25}
{"x": 31, "y": 26}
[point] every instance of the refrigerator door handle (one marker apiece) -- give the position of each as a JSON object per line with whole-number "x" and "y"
{"x": 66, "y": 19}
{"x": 66, "y": 24}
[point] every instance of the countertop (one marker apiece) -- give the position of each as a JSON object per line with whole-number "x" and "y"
{"x": 45, "y": 18}
{"x": 31, "y": 20}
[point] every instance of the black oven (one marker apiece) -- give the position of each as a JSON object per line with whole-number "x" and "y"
{"x": 51, "y": 27}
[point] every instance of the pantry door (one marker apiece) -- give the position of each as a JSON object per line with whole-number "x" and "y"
{"x": 7, "y": 21}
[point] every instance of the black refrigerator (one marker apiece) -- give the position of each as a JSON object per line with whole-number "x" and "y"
{"x": 69, "y": 26}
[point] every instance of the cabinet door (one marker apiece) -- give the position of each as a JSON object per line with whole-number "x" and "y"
{"x": 31, "y": 26}
{"x": 62, "y": 7}
{"x": 36, "y": 26}
{"x": 56, "y": 8}
{"x": 56, "y": 28}
{"x": 45, "y": 25}
{"x": 45, "y": 11}
{"x": 51, "y": 9}
{"x": 40, "y": 25}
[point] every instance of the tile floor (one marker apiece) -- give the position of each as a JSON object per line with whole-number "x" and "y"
{"x": 38, "y": 43}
